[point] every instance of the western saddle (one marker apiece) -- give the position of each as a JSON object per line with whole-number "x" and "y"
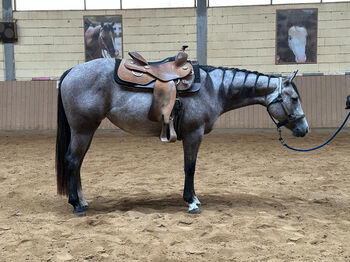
{"x": 167, "y": 78}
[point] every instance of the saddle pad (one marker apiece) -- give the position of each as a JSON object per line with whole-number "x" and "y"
{"x": 194, "y": 88}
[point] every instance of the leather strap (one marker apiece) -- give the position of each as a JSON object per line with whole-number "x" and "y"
{"x": 164, "y": 96}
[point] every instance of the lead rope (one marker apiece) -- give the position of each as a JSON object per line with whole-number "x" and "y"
{"x": 316, "y": 147}
{"x": 279, "y": 125}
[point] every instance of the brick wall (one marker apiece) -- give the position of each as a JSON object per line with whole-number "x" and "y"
{"x": 245, "y": 37}
{"x": 52, "y": 41}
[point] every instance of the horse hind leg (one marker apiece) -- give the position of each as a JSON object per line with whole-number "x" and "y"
{"x": 78, "y": 147}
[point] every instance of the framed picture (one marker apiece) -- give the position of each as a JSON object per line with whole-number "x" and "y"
{"x": 296, "y": 36}
{"x": 103, "y": 37}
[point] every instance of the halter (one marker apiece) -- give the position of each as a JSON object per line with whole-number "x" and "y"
{"x": 290, "y": 117}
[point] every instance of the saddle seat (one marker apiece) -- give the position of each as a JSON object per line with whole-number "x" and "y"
{"x": 166, "y": 78}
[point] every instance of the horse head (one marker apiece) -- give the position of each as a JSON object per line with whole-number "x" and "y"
{"x": 297, "y": 42}
{"x": 107, "y": 41}
{"x": 285, "y": 106}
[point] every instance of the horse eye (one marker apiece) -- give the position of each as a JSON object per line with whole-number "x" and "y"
{"x": 294, "y": 99}
{"x": 289, "y": 37}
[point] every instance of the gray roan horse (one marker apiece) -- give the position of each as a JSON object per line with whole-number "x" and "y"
{"x": 88, "y": 94}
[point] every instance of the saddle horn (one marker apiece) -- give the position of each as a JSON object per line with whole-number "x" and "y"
{"x": 181, "y": 57}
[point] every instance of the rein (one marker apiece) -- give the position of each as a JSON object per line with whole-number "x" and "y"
{"x": 316, "y": 147}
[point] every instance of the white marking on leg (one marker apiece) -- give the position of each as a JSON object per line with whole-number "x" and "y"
{"x": 192, "y": 206}
{"x": 196, "y": 201}
{"x": 82, "y": 199}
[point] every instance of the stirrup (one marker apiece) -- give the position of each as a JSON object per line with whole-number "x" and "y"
{"x": 168, "y": 134}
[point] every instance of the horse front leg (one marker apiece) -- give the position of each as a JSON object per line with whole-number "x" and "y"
{"x": 191, "y": 143}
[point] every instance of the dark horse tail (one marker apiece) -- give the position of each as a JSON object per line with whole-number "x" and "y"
{"x": 62, "y": 142}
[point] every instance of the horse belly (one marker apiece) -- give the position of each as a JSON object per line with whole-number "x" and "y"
{"x": 132, "y": 116}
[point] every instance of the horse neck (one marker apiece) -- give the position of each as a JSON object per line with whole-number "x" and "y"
{"x": 237, "y": 88}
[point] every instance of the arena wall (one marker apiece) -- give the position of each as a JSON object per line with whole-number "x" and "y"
{"x": 31, "y": 105}
{"x": 52, "y": 41}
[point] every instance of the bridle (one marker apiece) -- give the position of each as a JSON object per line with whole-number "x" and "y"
{"x": 290, "y": 117}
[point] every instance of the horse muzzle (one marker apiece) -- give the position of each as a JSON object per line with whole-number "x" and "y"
{"x": 300, "y": 129}
{"x": 300, "y": 58}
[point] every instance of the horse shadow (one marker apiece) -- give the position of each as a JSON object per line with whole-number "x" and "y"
{"x": 174, "y": 203}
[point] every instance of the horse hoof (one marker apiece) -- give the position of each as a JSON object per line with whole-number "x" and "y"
{"x": 193, "y": 208}
{"x": 194, "y": 211}
{"x": 79, "y": 213}
{"x": 85, "y": 207}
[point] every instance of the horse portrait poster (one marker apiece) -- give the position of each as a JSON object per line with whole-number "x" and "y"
{"x": 296, "y": 36}
{"x": 103, "y": 37}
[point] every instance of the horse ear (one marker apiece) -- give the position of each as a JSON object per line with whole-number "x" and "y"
{"x": 287, "y": 81}
{"x": 294, "y": 74}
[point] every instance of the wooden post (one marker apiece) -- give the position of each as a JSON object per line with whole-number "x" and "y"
{"x": 9, "y": 54}
{"x": 202, "y": 32}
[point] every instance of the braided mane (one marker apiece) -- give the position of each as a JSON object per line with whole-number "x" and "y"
{"x": 234, "y": 70}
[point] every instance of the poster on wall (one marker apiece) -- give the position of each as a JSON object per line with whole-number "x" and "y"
{"x": 103, "y": 37}
{"x": 296, "y": 36}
